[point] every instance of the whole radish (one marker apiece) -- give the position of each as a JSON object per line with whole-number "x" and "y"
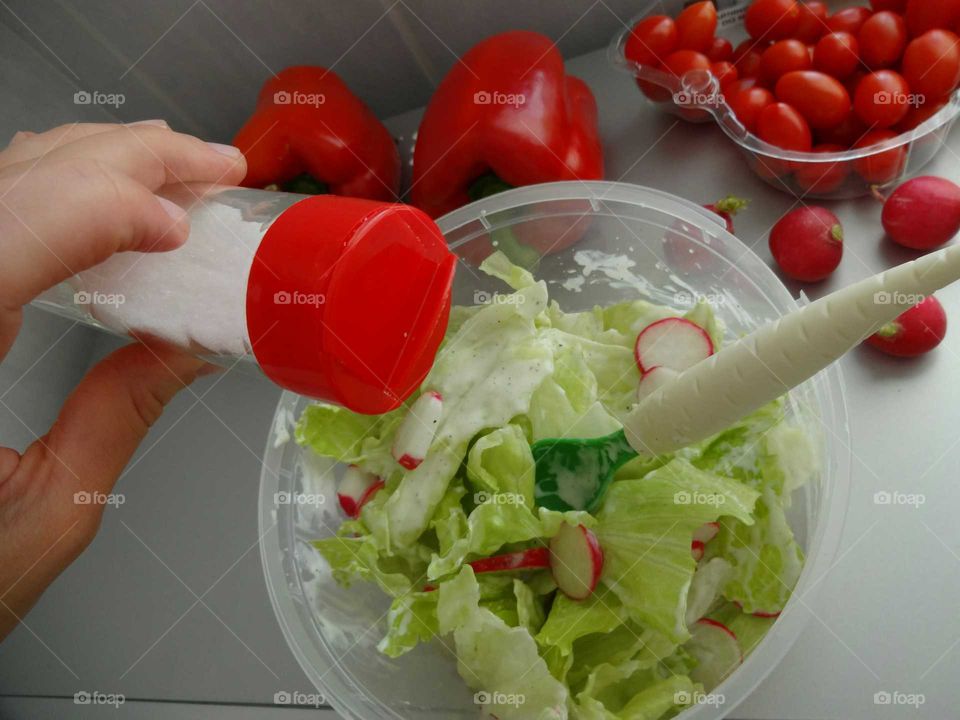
{"x": 727, "y": 208}
{"x": 923, "y": 213}
{"x": 918, "y": 331}
{"x": 807, "y": 243}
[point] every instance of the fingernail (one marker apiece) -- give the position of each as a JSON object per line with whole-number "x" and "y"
{"x": 157, "y": 123}
{"x": 176, "y": 213}
{"x": 228, "y": 150}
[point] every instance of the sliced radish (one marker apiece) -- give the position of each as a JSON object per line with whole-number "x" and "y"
{"x": 701, "y": 536}
{"x": 674, "y": 343}
{"x": 532, "y": 559}
{"x": 717, "y": 651}
{"x": 706, "y": 532}
{"x": 697, "y": 548}
{"x": 705, "y": 587}
{"x": 760, "y": 613}
{"x": 356, "y": 489}
{"x": 576, "y": 561}
{"x": 416, "y": 432}
{"x": 654, "y": 379}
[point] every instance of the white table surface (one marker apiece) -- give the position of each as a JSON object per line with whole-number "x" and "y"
{"x": 126, "y": 617}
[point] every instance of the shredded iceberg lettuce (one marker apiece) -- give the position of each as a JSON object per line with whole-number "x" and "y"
{"x": 516, "y": 371}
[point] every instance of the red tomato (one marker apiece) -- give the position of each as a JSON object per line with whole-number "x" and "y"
{"x": 740, "y": 85}
{"x": 849, "y": 20}
{"x": 931, "y": 64}
{"x": 696, "y": 26}
{"x": 783, "y": 57}
{"x": 883, "y": 167}
{"x": 924, "y": 15}
{"x": 823, "y": 177}
{"x": 747, "y": 57}
{"x": 919, "y": 115}
{"x": 721, "y": 50}
{"x": 813, "y": 22}
{"x": 772, "y": 19}
{"x": 724, "y": 72}
{"x": 846, "y": 133}
{"x": 822, "y": 100}
{"x": 897, "y": 6}
{"x": 748, "y": 103}
{"x": 681, "y": 62}
{"x": 781, "y": 125}
{"x": 837, "y": 54}
{"x": 651, "y": 40}
{"x": 883, "y": 99}
{"x": 882, "y": 39}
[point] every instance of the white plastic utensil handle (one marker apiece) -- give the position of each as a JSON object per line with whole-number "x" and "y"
{"x": 717, "y": 392}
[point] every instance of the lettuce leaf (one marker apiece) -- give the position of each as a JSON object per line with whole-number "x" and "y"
{"x": 500, "y": 462}
{"x": 359, "y": 558}
{"x": 500, "y": 662}
{"x": 349, "y": 437}
{"x": 766, "y": 559}
{"x": 645, "y": 528}
{"x": 412, "y": 619}
{"x": 489, "y": 527}
{"x": 569, "y": 620}
{"x": 486, "y": 374}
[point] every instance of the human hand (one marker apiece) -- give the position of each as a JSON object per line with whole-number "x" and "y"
{"x": 69, "y": 199}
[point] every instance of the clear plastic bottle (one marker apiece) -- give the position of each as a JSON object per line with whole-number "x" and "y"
{"x": 337, "y": 298}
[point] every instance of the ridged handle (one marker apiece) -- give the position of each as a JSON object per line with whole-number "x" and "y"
{"x": 761, "y": 367}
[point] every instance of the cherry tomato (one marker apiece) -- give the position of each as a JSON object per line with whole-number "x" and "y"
{"x": 721, "y": 50}
{"x": 748, "y": 103}
{"x": 919, "y": 115}
{"x": 781, "y": 125}
{"x": 882, "y": 39}
{"x": 741, "y": 84}
{"x": 931, "y": 64}
{"x": 772, "y": 19}
{"x": 823, "y": 177}
{"x": 747, "y": 57}
{"x": 853, "y": 82}
{"x": 651, "y": 40}
{"x": 837, "y": 54}
{"x": 783, "y": 57}
{"x": 849, "y": 20}
{"x": 724, "y": 72}
{"x": 680, "y": 62}
{"x": 846, "y": 133}
{"x": 897, "y": 6}
{"x": 924, "y": 15}
{"x": 822, "y": 100}
{"x": 696, "y": 26}
{"x": 884, "y": 167}
{"x": 882, "y": 99}
{"x": 813, "y": 22}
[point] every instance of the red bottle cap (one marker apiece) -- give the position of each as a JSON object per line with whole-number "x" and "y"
{"x": 348, "y": 300}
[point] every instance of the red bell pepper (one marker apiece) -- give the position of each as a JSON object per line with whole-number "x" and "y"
{"x": 311, "y": 134}
{"x": 507, "y": 114}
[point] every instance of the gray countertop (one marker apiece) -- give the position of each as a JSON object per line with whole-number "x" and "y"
{"x": 168, "y": 606}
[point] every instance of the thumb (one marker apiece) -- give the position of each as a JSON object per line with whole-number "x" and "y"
{"x": 43, "y": 524}
{"x": 109, "y": 413}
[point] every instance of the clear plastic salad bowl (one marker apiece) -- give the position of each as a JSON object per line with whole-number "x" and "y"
{"x": 696, "y": 97}
{"x": 626, "y": 241}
